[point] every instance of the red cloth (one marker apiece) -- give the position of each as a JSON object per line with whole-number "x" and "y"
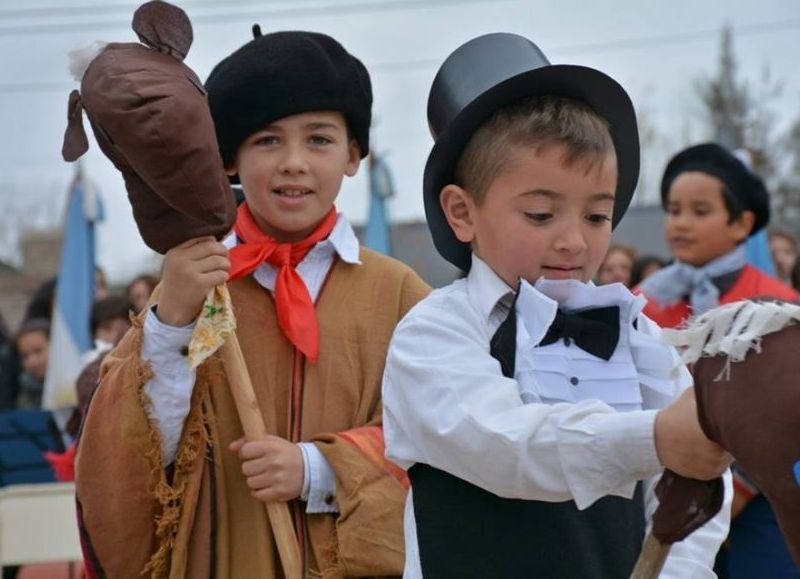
{"x": 63, "y": 464}
{"x": 296, "y": 316}
{"x": 370, "y": 442}
{"x": 751, "y": 283}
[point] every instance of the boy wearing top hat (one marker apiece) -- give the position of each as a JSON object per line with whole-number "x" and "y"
{"x": 172, "y": 489}
{"x": 526, "y": 403}
{"x": 713, "y": 204}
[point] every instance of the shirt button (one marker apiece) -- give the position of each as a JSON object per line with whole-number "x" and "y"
{"x": 567, "y": 341}
{"x": 574, "y": 380}
{"x": 185, "y": 351}
{"x": 328, "y": 499}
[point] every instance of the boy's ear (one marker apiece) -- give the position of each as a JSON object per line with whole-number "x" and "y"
{"x": 353, "y": 158}
{"x": 231, "y": 171}
{"x": 743, "y": 225}
{"x": 459, "y": 207}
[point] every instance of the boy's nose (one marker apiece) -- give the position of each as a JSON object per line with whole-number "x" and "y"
{"x": 681, "y": 221}
{"x": 293, "y": 161}
{"x": 570, "y": 239}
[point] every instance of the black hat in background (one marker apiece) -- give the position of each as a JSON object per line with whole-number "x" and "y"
{"x": 490, "y": 72}
{"x": 746, "y": 187}
{"x": 282, "y": 74}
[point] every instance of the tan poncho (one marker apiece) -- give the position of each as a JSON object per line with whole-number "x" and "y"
{"x": 197, "y": 518}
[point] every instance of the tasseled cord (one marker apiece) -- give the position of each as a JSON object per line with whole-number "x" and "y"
{"x": 732, "y": 330}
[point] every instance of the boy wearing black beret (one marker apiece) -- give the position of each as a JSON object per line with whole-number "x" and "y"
{"x": 532, "y": 408}
{"x": 315, "y": 312}
{"x": 713, "y": 204}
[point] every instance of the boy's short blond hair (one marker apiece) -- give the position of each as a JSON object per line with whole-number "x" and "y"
{"x": 537, "y": 121}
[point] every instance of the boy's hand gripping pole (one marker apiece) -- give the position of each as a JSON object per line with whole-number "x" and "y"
{"x": 254, "y": 429}
{"x": 684, "y": 506}
{"x": 216, "y": 330}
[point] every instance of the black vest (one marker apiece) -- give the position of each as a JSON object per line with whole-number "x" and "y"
{"x": 465, "y": 532}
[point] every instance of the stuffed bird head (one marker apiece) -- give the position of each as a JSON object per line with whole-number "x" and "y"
{"x": 149, "y": 114}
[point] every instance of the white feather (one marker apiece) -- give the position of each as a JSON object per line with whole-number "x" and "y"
{"x": 80, "y": 58}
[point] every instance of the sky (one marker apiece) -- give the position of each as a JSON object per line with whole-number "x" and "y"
{"x": 657, "y": 50}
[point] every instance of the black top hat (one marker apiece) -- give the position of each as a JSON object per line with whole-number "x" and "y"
{"x": 747, "y": 188}
{"x": 490, "y": 72}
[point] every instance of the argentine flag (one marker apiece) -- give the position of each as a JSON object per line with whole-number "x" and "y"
{"x": 377, "y": 233}
{"x": 69, "y": 331}
{"x": 758, "y": 254}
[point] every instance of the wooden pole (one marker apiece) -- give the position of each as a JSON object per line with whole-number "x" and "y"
{"x": 253, "y": 424}
{"x": 651, "y": 559}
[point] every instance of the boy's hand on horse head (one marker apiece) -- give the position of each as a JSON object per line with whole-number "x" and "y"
{"x": 681, "y": 444}
{"x": 273, "y": 467}
{"x": 190, "y": 271}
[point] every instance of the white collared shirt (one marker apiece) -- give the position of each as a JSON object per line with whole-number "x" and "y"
{"x": 447, "y": 404}
{"x": 170, "y": 389}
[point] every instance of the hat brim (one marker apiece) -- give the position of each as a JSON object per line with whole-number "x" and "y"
{"x": 606, "y": 97}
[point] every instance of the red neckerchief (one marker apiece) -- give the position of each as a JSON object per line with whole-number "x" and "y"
{"x": 296, "y": 316}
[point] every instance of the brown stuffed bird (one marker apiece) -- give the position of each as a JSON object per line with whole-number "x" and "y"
{"x": 150, "y": 116}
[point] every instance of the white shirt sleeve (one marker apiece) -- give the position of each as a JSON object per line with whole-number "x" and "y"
{"x": 693, "y": 558}
{"x": 447, "y": 404}
{"x": 170, "y": 389}
{"x": 319, "y": 484}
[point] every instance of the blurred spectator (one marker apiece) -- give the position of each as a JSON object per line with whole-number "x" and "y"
{"x": 41, "y": 304}
{"x": 9, "y": 369}
{"x": 100, "y": 284}
{"x": 110, "y": 321}
{"x": 617, "y": 266}
{"x": 140, "y": 289}
{"x": 32, "y": 343}
{"x": 794, "y": 278}
{"x": 783, "y": 247}
{"x": 644, "y": 267}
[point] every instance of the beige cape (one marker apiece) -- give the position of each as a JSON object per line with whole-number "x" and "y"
{"x": 197, "y": 518}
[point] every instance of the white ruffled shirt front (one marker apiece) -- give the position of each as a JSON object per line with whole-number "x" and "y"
{"x": 568, "y": 426}
{"x": 641, "y": 368}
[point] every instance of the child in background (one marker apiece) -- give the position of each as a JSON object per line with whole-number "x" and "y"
{"x": 783, "y": 247}
{"x": 617, "y": 267}
{"x": 32, "y": 345}
{"x": 110, "y": 320}
{"x": 713, "y": 204}
{"x": 139, "y": 290}
{"x": 644, "y": 267}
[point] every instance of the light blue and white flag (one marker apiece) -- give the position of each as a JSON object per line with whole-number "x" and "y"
{"x": 758, "y": 254}
{"x": 757, "y": 245}
{"x": 70, "y": 335}
{"x": 377, "y": 234}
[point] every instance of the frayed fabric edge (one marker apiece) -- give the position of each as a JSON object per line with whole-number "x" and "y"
{"x": 732, "y": 330}
{"x": 168, "y": 496}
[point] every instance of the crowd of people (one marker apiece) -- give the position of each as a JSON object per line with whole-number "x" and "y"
{"x": 24, "y": 351}
{"x": 624, "y": 265}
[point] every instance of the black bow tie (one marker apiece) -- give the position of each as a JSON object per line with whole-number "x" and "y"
{"x": 596, "y": 331}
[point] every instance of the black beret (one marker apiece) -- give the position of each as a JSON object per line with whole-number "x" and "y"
{"x": 282, "y": 74}
{"x": 746, "y": 187}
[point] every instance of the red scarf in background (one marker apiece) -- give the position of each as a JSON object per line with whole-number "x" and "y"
{"x": 296, "y": 316}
